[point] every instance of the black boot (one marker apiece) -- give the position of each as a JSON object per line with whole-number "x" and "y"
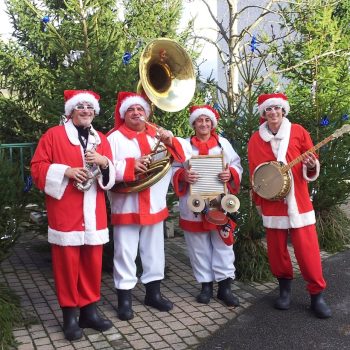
{"x": 124, "y": 309}
{"x": 206, "y": 293}
{"x": 225, "y": 293}
{"x": 71, "y": 329}
{"x": 89, "y": 318}
{"x": 283, "y": 301}
{"x": 154, "y": 297}
{"x": 319, "y": 306}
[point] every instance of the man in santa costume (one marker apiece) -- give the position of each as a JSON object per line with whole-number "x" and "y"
{"x": 138, "y": 216}
{"x": 210, "y": 246}
{"x": 77, "y": 219}
{"x": 279, "y": 139}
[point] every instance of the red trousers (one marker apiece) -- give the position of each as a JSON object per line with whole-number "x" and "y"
{"x": 77, "y": 272}
{"x": 307, "y": 253}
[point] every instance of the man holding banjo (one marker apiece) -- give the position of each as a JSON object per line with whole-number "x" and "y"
{"x": 288, "y": 210}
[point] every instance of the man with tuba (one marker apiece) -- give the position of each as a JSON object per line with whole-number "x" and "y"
{"x": 210, "y": 247}
{"x": 138, "y": 216}
{"x": 77, "y": 216}
{"x": 279, "y": 140}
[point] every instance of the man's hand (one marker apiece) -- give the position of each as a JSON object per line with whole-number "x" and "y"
{"x": 225, "y": 175}
{"x": 165, "y": 136}
{"x": 190, "y": 176}
{"x": 78, "y": 174}
{"x": 92, "y": 157}
{"x": 310, "y": 161}
{"x": 142, "y": 163}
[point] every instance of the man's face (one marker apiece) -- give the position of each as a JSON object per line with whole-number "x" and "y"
{"x": 83, "y": 114}
{"x": 202, "y": 126}
{"x": 274, "y": 116}
{"x": 133, "y": 117}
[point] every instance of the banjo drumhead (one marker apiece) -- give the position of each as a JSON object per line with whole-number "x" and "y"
{"x": 268, "y": 181}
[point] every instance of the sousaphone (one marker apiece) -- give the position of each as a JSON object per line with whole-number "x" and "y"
{"x": 167, "y": 78}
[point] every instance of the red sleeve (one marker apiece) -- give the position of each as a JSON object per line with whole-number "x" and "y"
{"x": 177, "y": 151}
{"x": 233, "y": 185}
{"x": 180, "y": 187}
{"x": 41, "y": 161}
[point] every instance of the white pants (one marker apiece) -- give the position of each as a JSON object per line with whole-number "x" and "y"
{"x": 211, "y": 258}
{"x": 127, "y": 240}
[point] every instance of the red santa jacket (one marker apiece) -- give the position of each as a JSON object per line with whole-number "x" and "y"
{"x": 74, "y": 217}
{"x": 148, "y": 206}
{"x": 292, "y": 140}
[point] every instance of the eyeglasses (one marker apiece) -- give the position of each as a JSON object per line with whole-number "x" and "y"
{"x": 273, "y": 108}
{"x": 83, "y": 107}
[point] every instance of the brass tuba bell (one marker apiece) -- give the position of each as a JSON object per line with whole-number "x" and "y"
{"x": 167, "y": 75}
{"x": 167, "y": 78}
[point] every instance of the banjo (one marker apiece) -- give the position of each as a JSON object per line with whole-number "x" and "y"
{"x": 272, "y": 180}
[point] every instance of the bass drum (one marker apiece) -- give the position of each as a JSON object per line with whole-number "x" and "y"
{"x": 270, "y": 182}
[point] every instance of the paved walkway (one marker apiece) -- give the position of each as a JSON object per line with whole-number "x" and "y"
{"x": 28, "y": 273}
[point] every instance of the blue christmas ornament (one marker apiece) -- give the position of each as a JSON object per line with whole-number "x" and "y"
{"x": 127, "y": 58}
{"x": 253, "y": 44}
{"x": 345, "y": 117}
{"x": 324, "y": 121}
{"x": 46, "y": 19}
{"x": 216, "y": 106}
{"x": 28, "y": 183}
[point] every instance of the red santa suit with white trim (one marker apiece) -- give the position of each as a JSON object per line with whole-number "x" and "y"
{"x": 212, "y": 257}
{"x": 138, "y": 216}
{"x": 77, "y": 220}
{"x": 293, "y": 215}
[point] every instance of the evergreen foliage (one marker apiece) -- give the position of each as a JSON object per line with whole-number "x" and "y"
{"x": 77, "y": 45}
{"x": 13, "y": 201}
{"x": 316, "y": 64}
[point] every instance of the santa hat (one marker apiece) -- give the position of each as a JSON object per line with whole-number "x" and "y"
{"x": 269, "y": 100}
{"x": 124, "y": 101}
{"x": 74, "y": 97}
{"x": 197, "y": 111}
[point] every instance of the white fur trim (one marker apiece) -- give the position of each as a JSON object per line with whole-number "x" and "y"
{"x": 274, "y": 102}
{"x": 56, "y": 182}
{"x": 313, "y": 178}
{"x": 293, "y": 221}
{"x": 134, "y": 100}
{"x": 72, "y": 134}
{"x": 76, "y": 238}
{"x": 203, "y": 111}
{"x": 111, "y": 181}
{"x": 79, "y": 98}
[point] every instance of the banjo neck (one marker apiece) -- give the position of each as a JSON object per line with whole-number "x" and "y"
{"x": 288, "y": 166}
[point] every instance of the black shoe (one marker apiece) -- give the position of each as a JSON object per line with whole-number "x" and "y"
{"x": 206, "y": 293}
{"x": 319, "y": 306}
{"x": 89, "y": 318}
{"x": 225, "y": 293}
{"x": 155, "y": 299}
{"x": 283, "y": 301}
{"x": 124, "y": 309}
{"x": 71, "y": 329}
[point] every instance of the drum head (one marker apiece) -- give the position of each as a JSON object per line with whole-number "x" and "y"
{"x": 268, "y": 181}
{"x": 216, "y": 217}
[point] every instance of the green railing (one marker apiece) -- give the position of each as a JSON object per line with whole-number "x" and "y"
{"x": 18, "y": 153}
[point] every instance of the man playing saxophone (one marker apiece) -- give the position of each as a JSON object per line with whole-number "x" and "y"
{"x": 76, "y": 209}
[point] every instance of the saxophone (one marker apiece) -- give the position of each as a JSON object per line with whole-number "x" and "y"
{"x": 93, "y": 170}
